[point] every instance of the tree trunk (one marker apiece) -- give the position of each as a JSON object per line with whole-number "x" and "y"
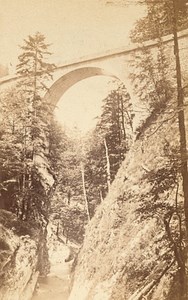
{"x": 123, "y": 118}
{"x": 35, "y": 82}
{"x": 181, "y": 118}
{"x": 101, "y": 196}
{"x": 118, "y": 121}
{"x": 107, "y": 165}
{"x": 84, "y": 191}
{"x": 183, "y": 142}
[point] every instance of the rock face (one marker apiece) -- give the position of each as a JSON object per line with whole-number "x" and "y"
{"x": 124, "y": 256}
{"x": 18, "y": 260}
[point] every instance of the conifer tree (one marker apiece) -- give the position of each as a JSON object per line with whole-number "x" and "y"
{"x": 34, "y": 72}
{"x": 115, "y": 125}
{"x": 108, "y": 144}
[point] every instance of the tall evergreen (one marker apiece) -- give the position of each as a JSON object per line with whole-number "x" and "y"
{"x": 34, "y": 71}
{"x": 115, "y": 125}
{"x": 108, "y": 144}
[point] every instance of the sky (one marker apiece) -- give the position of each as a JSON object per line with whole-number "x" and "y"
{"x": 87, "y": 106}
{"x": 75, "y": 28}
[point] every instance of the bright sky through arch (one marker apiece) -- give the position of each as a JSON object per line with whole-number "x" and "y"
{"x": 81, "y": 104}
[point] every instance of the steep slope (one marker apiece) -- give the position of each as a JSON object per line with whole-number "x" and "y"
{"x": 126, "y": 256}
{"x": 18, "y": 258}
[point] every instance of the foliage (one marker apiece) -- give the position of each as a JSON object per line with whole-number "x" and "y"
{"x": 33, "y": 65}
{"x": 151, "y": 78}
{"x": 68, "y": 206}
{"x": 59, "y": 143}
{"x": 10, "y": 221}
{"x": 163, "y": 202}
{"x": 34, "y": 72}
{"x": 70, "y": 218}
{"x": 162, "y": 18}
{"x": 115, "y": 125}
{"x": 162, "y": 182}
{"x": 95, "y": 169}
{"x": 24, "y": 138}
{"x": 113, "y": 134}
{"x": 159, "y": 19}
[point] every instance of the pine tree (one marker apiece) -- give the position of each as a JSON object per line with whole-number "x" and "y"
{"x": 115, "y": 125}
{"x": 33, "y": 66}
{"x": 107, "y": 145}
{"x": 34, "y": 72}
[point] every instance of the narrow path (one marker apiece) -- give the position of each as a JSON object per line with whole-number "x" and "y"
{"x": 56, "y": 286}
{"x": 52, "y": 288}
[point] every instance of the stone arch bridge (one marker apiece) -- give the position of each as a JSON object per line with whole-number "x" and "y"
{"x": 113, "y": 63}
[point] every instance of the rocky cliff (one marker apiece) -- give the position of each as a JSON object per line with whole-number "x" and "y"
{"x": 18, "y": 258}
{"x": 126, "y": 254}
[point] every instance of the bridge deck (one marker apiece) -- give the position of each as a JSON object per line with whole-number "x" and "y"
{"x": 108, "y": 53}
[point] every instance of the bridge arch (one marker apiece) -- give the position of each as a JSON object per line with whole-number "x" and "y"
{"x": 59, "y": 87}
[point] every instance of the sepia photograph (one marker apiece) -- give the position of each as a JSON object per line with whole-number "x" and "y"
{"x": 93, "y": 150}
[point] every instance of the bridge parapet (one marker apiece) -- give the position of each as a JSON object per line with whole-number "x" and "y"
{"x": 106, "y": 55}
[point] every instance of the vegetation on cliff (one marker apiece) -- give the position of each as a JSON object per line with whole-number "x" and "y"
{"x": 136, "y": 244}
{"x": 26, "y": 179}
